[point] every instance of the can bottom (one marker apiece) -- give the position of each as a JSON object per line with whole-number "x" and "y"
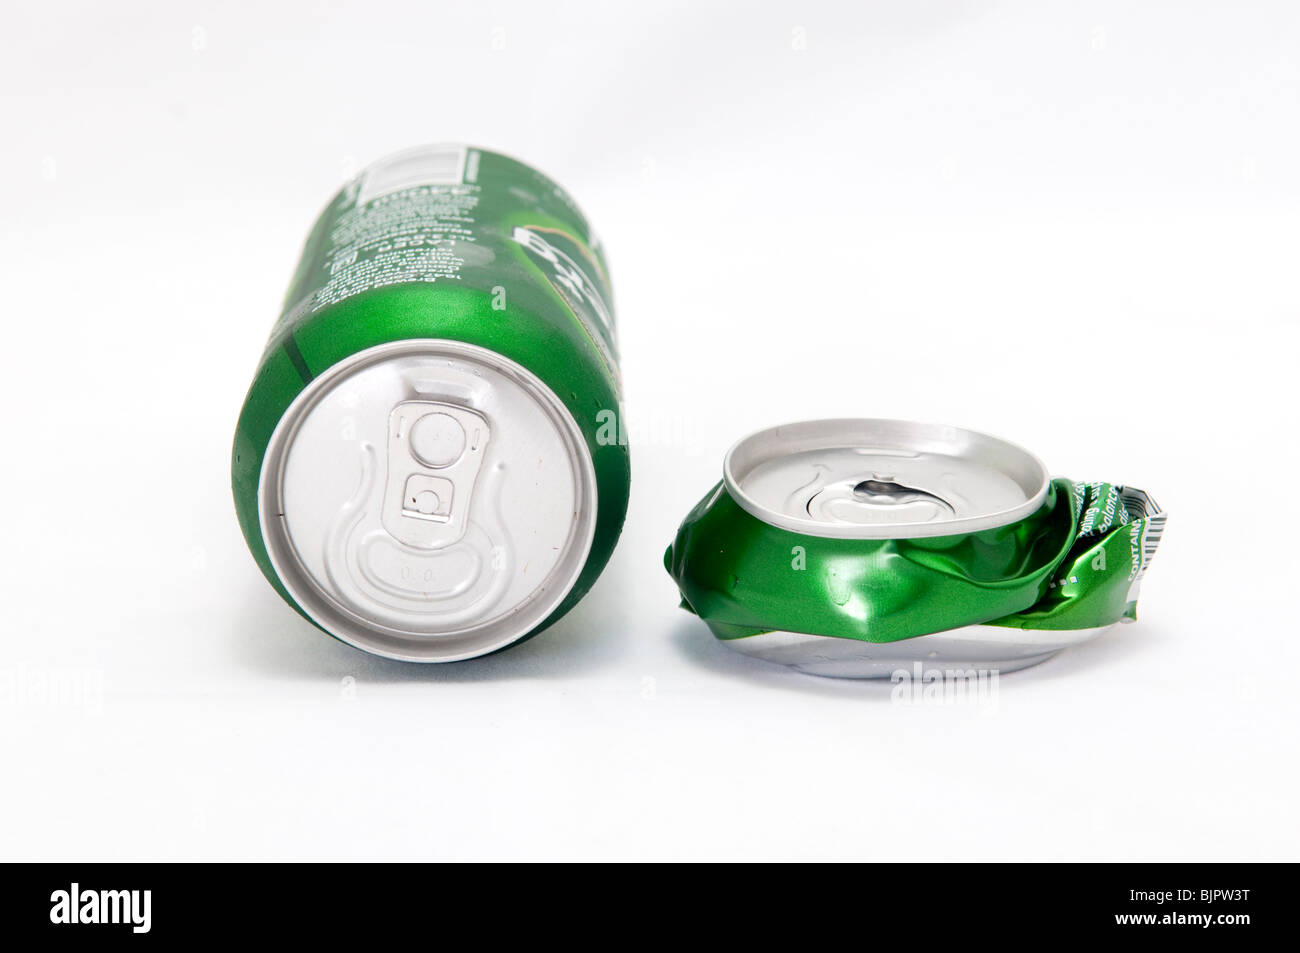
{"x": 955, "y": 653}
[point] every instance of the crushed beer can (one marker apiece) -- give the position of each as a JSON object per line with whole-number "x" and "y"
{"x": 857, "y": 548}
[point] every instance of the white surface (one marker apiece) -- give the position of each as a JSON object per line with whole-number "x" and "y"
{"x": 1075, "y": 228}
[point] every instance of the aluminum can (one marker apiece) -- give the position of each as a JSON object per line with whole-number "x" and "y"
{"x": 419, "y": 466}
{"x": 859, "y": 548}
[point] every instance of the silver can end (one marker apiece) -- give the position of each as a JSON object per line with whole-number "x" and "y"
{"x": 428, "y": 500}
{"x": 883, "y": 479}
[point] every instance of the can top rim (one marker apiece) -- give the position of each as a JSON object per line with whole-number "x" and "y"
{"x": 1007, "y": 461}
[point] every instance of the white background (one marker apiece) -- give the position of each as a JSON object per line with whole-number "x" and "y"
{"x": 1071, "y": 225}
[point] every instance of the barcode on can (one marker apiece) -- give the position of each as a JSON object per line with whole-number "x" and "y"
{"x": 1142, "y": 505}
{"x": 442, "y": 165}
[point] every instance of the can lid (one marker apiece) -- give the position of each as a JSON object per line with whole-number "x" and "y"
{"x": 428, "y": 500}
{"x": 883, "y": 479}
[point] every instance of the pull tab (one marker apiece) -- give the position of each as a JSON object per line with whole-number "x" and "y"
{"x": 435, "y": 451}
{"x": 884, "y": 491}
{"x": 878, "y": 499}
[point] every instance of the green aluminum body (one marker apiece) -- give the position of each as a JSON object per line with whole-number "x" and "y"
{"x": 503, "y": 260}
{"x": 1071, "y": 565}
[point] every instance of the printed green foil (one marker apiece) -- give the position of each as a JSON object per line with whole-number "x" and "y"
{"x": 1073, "y": 564}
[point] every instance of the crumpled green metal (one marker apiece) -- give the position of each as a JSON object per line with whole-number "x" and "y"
{"x": 1070, "y": 565}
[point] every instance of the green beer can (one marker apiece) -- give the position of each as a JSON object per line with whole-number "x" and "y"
{"x": 416, "y": 467}
{"x": 862, "y": 548}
